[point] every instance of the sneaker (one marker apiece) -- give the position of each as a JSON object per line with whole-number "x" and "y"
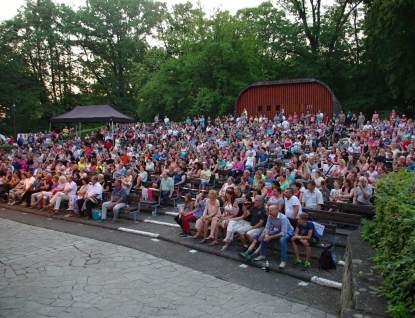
{"x": 306, "y": 266}
{"x": 183, "y": 234}
{"x": 224, "y": 248}
{"x": 227, "y": 240}
{"x": 246, "y": 246}
{"x": 250, "y": 257}
{"x": 102, "y": 221}
{"x": 243, "y": 255}
{"x": 297, "y": 263}
{"x": 282, "y": 265}
{"x": 259, "y": 258}
{"x": 187, "y": 235}
{"x": 115, "y": 221}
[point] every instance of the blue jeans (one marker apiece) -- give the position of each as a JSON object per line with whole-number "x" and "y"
{"x": 283, "y": 242}
{"x": 165, "y": 196}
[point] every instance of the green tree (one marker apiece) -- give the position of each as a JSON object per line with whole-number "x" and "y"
{"x": 391, "y": 43}
{"x": 111, "y": 36}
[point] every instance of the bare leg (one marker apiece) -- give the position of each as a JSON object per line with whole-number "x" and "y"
{"x": 213, "y": 227}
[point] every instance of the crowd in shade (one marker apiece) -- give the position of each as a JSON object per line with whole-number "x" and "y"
{"x": 274, "y": 168}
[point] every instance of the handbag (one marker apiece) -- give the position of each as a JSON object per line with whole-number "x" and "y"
{"x": 178, "y": 219}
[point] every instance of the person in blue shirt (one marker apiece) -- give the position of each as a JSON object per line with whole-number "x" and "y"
{"x": 263, "y": 158}
{"x": 411, "y": 164}
{"x": 306, "y": 234}
{"x": 117, "y": 201}
{"x": 188, "y": 120}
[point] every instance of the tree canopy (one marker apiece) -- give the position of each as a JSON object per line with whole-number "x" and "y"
{"x": 144, "y": 58}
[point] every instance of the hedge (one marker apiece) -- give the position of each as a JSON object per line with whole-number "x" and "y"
{"x": 392, "y": 234}
{"x": 6, "y": 148}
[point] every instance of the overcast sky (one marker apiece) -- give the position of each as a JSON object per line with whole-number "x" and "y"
{"x": 9, "y": 7}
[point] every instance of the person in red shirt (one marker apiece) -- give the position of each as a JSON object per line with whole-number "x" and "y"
{"x": 393, "y": 115}
{"x": 108, "y": 144}
{"x": 125, "y": 158}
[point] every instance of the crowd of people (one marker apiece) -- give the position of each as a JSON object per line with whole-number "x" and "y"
{"x": 264, "y": 190}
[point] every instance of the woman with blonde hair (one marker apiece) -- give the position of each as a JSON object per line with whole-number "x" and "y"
{"x": 362, "y": 164}
{"x": 341, "y": 169}
{"x": 230, "y": 211}
{"x": 212, "y": 211}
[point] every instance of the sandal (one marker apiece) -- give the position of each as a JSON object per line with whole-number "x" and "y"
{"x": 203, "y": 241}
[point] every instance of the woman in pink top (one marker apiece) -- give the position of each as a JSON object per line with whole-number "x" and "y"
{"x": 212, "y": 211}
{"x": 238, "y": 168}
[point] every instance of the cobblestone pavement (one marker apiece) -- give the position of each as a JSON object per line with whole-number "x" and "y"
{"x": 45, "y": 273}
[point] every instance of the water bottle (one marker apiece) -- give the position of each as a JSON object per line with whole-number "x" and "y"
{"x": 334, "y": 258}
{"x": 267, "y": 266}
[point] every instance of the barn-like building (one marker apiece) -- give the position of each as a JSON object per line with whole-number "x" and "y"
{"x": 296, "y": 95}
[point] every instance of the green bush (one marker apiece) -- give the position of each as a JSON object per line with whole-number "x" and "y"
{"x": 392, "y": 233}
{"x": 6, "y": 148}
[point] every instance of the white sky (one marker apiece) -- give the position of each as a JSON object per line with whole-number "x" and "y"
{"x": 9, "y": 7}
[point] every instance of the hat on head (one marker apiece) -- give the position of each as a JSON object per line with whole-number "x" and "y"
{"x": 260, "y": 198}
{"x": 329, "y": 159}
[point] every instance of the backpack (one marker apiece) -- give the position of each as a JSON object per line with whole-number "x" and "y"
{"x": 326, "y": 260}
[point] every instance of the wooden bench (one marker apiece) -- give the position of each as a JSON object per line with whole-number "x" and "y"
{"x": 337, "y": 218}
{"x": 133, "y": 204}
{"x": 367, "y": 211}
{"x": 154, "y": 202}
{"x": 223, "y": 177}
{"x": 326, "y": 241}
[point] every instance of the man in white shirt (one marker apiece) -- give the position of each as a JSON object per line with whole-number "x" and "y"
{"x": 92, "y": 196}
{"x": 292, "y": 205}
{"x": 70, "y": 189}
{"x": 312, "y": 197}
{"x": 328, "y": 167}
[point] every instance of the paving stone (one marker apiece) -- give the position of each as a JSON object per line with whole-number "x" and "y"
{"x": 87, "y": 278}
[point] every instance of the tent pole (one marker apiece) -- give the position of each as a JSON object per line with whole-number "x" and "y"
{"x": 50, "y": 126}
{"x": 112, "y": 130}
{"x": 80, "y": 131}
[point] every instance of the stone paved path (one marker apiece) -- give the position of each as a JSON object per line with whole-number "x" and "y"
{"x": 44, "y": 273}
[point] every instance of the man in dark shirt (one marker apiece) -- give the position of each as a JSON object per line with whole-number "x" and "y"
{"x": 256, "y": 218}
{"x": 118, "y": 201}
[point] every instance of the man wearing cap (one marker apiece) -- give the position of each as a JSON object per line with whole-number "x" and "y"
{"x": 328, "y": 167}
{"x": 256, "y": 218}
{"x": 281, "y": 230}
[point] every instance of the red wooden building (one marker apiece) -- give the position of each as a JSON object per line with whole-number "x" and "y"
{"x": 297, "y": 95}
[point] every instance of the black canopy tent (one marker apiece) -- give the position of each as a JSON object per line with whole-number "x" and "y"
{"x": 92, "y": 114}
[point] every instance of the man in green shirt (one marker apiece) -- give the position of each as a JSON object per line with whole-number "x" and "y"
{"x": 166, "y": 188}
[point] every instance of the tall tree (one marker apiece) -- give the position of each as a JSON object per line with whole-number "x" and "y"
{"x": 112, "y": 35}
{"x": 391, "y": 42}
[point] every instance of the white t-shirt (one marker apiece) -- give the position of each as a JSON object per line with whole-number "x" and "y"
{"x": 289, "y": 206}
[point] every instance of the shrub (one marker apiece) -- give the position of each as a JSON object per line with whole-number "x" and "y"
{"x": 6, "y": 148}
{"x": 392, "y": 233}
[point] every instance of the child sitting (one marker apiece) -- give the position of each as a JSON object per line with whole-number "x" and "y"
{"x": 306, "y": 234}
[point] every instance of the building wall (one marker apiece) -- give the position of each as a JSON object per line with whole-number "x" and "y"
{"x": 292, "y": 97}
